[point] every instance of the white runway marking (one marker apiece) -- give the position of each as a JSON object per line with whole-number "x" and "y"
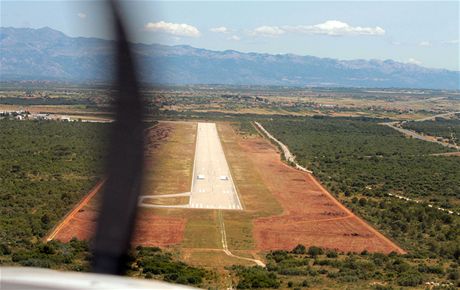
{"x": 212, "y": 183}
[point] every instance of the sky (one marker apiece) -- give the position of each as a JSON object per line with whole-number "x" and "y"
{"x": 420, "y": 32}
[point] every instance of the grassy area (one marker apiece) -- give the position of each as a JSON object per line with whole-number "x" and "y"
{"x": 169, "y": 169}
{"x": 257, "y": 200}
{"x": 167, "y": 200}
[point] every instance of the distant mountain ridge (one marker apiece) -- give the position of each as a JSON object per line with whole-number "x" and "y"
{"x": 47, "y": 54}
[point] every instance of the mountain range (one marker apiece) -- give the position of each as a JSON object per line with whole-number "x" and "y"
{"x": 47, "y": 54}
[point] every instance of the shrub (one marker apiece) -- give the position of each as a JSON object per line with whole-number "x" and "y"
{"x": 410, "y": 278}
{"x": 331, "y": 254}
{"x": 315, "y": 251}
{"x": 255, "y": 277}
{"x": 299, "y": 249}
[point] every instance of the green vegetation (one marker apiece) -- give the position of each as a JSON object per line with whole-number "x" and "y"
{"x": 72, "y": 256}
{"x": 45, "y": 168}
{"x": 362, "y": 162}
{"x": 440, "y": 127}
{"x": 255, "y": 277}
{"x": 152, "y": 263}
{"x": 44, "y": 101}
{"x": 345, "y": 271}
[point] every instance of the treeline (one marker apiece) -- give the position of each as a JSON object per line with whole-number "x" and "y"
{"x": 45, "y": 101}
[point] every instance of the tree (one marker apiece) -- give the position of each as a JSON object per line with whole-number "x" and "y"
{"x": 299, "y": 249}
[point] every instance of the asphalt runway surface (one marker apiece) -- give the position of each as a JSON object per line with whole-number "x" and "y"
{"x": 212, "y": 182}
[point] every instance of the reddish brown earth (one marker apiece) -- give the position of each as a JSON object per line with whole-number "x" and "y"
{"x": 151, "y": 229}
{"x": 311, "y": 215}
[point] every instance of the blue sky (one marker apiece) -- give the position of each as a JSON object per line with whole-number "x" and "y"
{"x": 422, "y": 32}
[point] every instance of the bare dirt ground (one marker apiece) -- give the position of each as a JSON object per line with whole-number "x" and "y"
{"x": 311, "y": 216}
{"x": 447, "y": 154}
{"x": 152, "y": 229}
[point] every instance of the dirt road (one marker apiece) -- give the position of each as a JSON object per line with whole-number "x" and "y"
{"x": 287, "y": 154}
{"x": 75, "y": 210}
{"x": 225, "y": 245}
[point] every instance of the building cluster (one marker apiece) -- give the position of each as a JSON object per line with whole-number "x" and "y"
{"x": 26, "y": 115}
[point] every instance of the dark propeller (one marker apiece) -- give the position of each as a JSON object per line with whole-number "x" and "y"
{"x": 124, "y": 165}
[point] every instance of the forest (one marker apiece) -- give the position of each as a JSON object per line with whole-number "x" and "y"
{"x": 362, "y": 162}
{"x": 45, "y": 168}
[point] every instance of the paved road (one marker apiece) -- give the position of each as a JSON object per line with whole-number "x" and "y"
{"x": 413, "y": 134}
{"x": 212, "y": 183}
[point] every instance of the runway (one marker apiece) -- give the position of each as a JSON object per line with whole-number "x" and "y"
{"x": 212, "y": 183}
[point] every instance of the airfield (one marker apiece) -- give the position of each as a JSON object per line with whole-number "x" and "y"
{"x": 212, "y": 183}
{"x": 220, "y": 198}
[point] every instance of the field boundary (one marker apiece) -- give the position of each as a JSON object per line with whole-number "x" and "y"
{"x": 287, "y": 153}
{"x": 84, "y": 201}
{"x": 350, "y": 214}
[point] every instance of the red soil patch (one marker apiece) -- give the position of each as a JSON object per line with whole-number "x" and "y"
{"x": 151, "y": 229}
{"x": 154, "y": 230}
{"x": 312, "y": 216}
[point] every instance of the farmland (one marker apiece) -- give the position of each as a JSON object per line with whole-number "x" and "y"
{"x": 94, "y": 101}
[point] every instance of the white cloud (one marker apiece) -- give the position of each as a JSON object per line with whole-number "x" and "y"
{"x": 81, "y": 15}
{"x": 330, "y": 27}
{"x": 173, "y": 28}
{"x": 425, "y": 43}
{"x": 413, "y": 61}
{"x": 234, "y": 37}
{"x": 220, "y": 29}
{"x": 455, "y": 41}
{"x": 335, "y": 28}
{"x": 270, "y": 31}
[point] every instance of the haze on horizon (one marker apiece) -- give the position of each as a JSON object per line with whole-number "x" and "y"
{"x": 419, "y": 32}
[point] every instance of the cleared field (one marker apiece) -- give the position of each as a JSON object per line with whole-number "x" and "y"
{"x": 311, "y": 215}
